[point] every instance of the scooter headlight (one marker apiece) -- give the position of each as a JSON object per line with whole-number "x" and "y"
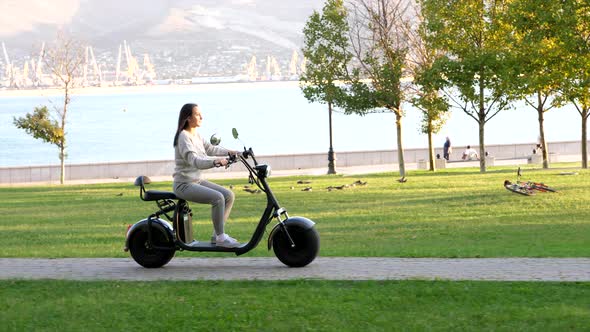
{"x": 263, "y": 170}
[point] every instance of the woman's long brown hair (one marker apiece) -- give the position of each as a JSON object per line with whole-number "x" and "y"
{"x": 185, "y": 112}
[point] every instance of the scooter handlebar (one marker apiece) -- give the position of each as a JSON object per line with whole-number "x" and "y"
{"x": 247, "y": 153}
{"x": 233, "y": 158}
{"x": 230, "y": 160}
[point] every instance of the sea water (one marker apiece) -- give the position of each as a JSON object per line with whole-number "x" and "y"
{"x": 272, "y": 118}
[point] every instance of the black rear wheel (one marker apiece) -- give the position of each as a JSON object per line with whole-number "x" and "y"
{"x": 307, "y": 245}
{"x": 151, "y": 257}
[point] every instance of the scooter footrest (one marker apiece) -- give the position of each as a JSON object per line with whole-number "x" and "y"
{"x": 208, "y": 246}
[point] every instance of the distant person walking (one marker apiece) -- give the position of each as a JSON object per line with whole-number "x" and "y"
{"x": 447, "y": 149}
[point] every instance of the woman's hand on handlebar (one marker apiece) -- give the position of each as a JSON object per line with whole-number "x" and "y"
{"x": 221, "y": 162}
{"x": 232, "y": 158}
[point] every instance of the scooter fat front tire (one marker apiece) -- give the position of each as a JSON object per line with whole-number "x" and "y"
{"x": 150, "y": 257}
{"x": 307, "y": 245}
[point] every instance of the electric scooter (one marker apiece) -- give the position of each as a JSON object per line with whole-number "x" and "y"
{"x": 152, "y": 242}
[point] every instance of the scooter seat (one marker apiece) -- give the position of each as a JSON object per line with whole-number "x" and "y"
{"x": 156, "y": 195}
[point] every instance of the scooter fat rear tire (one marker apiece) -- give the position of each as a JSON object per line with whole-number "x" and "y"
{"x": 307, "y": 245}
{"x": 146, "y": 257}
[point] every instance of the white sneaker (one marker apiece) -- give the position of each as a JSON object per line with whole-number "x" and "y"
{"x": 226, "y": 241}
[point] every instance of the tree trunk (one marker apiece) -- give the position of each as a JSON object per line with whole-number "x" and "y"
{"x": 400, "y": 149}
{"x": 482, "y": 123}
{"x": 585, "y": 114}
{"x": 430, "y": 147}
{"x": 62, "y": 161}
{"x": 331, "y": 155}
{"x": 482, "y": 153}
{"x": 541, "y": 114}
{"x": 62, "y": 148}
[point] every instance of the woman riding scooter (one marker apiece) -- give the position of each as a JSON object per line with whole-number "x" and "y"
{"x": 152, "y": 241}
{"x": 193, "y": 154}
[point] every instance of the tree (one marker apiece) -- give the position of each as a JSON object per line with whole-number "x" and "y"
{"x": 380, "y": 46}
{"x": 536, "y": 26}
{"x": 475, "y": 65}
{"x": 64, "y": 60}
{"x": 434, "y": 108}
{"x": 575, "y": 38}
{"x": 41, "y": 126}
{"x": 427, "y": 82}
{"x": 326, "y": 50}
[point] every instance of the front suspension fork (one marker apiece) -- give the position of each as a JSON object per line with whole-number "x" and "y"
{"x": 278, "y": 213}
{"x": 149, "y": 231}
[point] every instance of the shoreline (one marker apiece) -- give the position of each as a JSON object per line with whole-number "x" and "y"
{"x": 140, "y": 89}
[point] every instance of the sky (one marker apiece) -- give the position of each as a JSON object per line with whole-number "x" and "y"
{"x": 24, "y": 15}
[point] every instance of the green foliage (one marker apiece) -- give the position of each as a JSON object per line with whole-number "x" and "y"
{"x": 384, "y": 90}
{"x": 40, "y": 125}
{"x": 381, "y": 59}
{"x": 360, "y": 97}
{"x": 434, "y": 107}
{"x": 471, "y": 33}
{"x": 477, "y": 62}
{"x": 535, "y": 29}
{"x": 434, "y": 111}
{"x": 299, "y": 305}
{"x": 326, "y": 50}
{"x": 535, "y": 40}
{"x": 381, "y": 50}
{"x": 575, "y": 40}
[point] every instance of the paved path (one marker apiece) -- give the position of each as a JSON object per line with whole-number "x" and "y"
{"x": 330, "y": 268}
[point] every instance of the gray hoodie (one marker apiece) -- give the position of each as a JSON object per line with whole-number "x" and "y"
{"x": 193, "y": 154}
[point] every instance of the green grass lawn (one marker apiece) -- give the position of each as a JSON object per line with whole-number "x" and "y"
{"x": 293, "y": 306}
{"x": 450, "y": 213}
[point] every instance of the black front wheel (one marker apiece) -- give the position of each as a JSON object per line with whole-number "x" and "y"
{"x": 307, "y": 245}
{"x": 147, "y": 256}
{"x": 542, "y": 187}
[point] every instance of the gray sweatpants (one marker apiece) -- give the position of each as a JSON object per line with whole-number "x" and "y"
{"x": 205, "y": 192}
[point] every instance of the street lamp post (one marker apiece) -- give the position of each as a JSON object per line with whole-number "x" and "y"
{"x": 331, "y": 154}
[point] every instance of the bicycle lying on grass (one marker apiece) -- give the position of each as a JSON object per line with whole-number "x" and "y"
{"x": 526, "y": 188}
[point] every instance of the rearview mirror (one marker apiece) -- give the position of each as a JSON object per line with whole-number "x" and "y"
{"x": 214, "y": 140}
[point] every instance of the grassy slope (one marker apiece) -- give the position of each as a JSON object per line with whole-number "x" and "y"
{"x": 451, "y": 213}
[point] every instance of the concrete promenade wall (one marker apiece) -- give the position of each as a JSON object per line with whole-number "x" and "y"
{"x": 115, "y": 170}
